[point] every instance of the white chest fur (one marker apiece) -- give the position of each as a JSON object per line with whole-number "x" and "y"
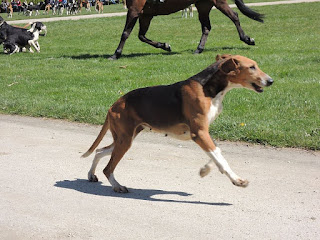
{"x": 216, "y": 102}
{"x": 216, "y": 107}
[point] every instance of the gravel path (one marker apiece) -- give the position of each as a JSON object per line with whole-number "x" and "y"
{"x": 44, "y": 193}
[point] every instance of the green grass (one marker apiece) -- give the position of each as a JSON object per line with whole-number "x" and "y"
{"x": 72, "y": 79}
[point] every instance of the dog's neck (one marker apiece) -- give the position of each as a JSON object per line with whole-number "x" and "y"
{"x": 1, "y": 23}
{"x": 212, "y": 80}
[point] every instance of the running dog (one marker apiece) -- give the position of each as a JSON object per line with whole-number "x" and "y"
{"x": 14, "y": 38}
{"x": 183, "y": 110}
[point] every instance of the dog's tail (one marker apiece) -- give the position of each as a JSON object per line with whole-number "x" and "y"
{"x": 95, "y": 144}
{"x": 248, "y": 12}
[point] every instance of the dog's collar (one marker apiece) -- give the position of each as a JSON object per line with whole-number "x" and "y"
{"x": 1, "y": 23}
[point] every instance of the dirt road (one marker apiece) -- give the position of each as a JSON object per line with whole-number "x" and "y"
{"x": 44, "y": 193}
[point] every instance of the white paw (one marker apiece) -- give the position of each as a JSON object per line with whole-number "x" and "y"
{"x": 204, "y": 171}
{"x": 241, "y": 182}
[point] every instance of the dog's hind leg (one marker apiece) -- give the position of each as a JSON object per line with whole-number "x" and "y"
{"x": 122, "y": 145}
{"x": 10, "y": 48}
{"x": 100, "y": 153}
{"x": 203, "y": 139}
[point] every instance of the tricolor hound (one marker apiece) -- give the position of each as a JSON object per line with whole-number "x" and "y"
{"x": 183, "y": 110}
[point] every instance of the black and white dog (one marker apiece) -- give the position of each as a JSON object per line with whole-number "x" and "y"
{"x": 29, "y": 9}
{"x": 14, "y": 38}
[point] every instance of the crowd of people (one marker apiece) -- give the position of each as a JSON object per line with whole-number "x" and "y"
{"x": 18, "y": 6}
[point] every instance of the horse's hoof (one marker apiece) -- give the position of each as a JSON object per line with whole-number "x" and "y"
{"x": 167, "y": 47}
{"x": 198, "y": 51}
{"x": 249, "y": 41}
{"x": 113, "y": 57}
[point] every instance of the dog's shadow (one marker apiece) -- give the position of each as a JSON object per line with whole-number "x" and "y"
{"x": 83, "y": 185}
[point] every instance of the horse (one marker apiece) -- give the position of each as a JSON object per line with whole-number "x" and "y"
{"x": 145, "y": 10}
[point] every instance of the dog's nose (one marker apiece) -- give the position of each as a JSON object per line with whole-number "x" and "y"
{"x": 269, "y": 82}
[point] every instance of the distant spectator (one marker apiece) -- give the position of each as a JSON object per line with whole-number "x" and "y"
{"x": 3, "y": 6}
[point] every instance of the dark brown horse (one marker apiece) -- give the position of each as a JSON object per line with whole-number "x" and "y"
{"x": 145, "y": 10}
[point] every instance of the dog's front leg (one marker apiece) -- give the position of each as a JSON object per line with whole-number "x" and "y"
{"x": 38, "y": 45}
{"x": 29, "y": 49}
{"x": 203, "y": 139}
{"x": 224, "y": 168}
{"x": 31, "y": 43}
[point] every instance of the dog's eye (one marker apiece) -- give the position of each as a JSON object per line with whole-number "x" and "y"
{"x": 253, "y": 67}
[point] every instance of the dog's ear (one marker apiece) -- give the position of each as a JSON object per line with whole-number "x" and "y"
{"x": 230, "y": 66}
{"x": 223, "y": 56}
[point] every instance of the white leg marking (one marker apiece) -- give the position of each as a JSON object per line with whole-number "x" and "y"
{"x": 31, "y": 42}
{"x": 100, "y": 153}
{"x": 116, "y": 186}
{"x": 218, "y": 160}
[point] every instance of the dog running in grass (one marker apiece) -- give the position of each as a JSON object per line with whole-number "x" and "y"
{"x": 183, "y": 110}
{"x": 14, "y": 38}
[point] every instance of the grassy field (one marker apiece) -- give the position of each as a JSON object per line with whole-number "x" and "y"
{"x": 72, "y": 79}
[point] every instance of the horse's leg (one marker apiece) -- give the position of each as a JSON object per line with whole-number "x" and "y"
{"x": 144, "y": 22}
{"x": 132, "y": 17}
{"x": 204, "y": 9}
{"x": 223, "y": 6}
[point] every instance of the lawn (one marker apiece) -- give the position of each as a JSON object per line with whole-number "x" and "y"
{"x": 73, "y": 79}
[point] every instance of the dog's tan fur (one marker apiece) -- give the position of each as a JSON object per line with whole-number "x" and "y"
{"x": 99, "y": 6}
{"x": 10, "y": 10}
{"x": 47, "y": 9}
{"x": 200, "y": 105}
{"x": 85, "y": 4}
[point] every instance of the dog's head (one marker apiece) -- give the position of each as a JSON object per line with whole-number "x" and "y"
{"x": 244, "y": 71}
{"x": 38, "y": 26}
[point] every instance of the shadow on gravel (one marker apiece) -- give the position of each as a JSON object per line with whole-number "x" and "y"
{"x": 83, "y": 185}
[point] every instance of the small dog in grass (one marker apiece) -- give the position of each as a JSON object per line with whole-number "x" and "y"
{"x": 10, "y": 10}
{"x": 99, "y": 6}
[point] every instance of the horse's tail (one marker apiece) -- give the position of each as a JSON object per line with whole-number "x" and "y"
{"x": 248, "y": 12}
{"x": 100, "y": 136}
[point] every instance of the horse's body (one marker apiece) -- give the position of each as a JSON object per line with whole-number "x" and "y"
{"x": 145, "y": 10}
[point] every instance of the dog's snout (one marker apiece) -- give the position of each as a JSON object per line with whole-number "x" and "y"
{"x": 269, "y": 82}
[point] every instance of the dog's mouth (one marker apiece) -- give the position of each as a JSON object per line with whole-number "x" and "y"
{"x": 257, "y": 88}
